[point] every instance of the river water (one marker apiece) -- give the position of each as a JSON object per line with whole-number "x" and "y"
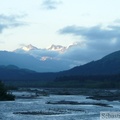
{"x": 33, "y": 107}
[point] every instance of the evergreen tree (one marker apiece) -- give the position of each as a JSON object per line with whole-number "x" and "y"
{"x": 3, "y": 93}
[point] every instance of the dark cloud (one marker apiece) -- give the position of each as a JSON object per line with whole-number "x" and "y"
{"x": 10, "y": 22}
{"x": 93, "y": 33}
{"x": 51, "y": 4}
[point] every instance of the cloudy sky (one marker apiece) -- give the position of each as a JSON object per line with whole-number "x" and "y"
{"x": 93, "y": 26}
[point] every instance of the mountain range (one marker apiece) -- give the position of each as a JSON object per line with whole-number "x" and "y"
{"x": 40, "y": 60}
{"x": 30, "y": 47}
{"x": 45, "y": 60}
{"x": 108, "y": 67}
{"x": 110, "y": 64}
{"x": 56, "y": 58}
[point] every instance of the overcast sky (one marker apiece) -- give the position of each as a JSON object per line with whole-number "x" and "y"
{"x": 94, "y": 25}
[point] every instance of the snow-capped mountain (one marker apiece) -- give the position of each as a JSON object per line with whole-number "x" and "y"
{"x": 58, "y": 48}
{"x": 26, "y": 48}
{"x": 51, "y": 59}
{"x": 42, "y": 54}
{"x": 29, "y": 47}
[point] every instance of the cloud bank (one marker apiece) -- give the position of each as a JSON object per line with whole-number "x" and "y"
{"x": 93, "y": 33}
{"x": 94, "y": 42}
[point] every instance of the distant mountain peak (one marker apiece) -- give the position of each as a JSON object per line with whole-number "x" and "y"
{"x": 29, "y": 47}
{"x": 58, "y": 48}
{"x": 25, "y": 49}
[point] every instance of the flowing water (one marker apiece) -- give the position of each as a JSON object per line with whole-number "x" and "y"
{"x": 39, "y": 109}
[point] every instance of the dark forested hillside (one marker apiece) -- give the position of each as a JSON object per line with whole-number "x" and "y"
{"x": 108, "y": 65}
{"x": 12, "y": 75}
{"x": 90, "y": 81}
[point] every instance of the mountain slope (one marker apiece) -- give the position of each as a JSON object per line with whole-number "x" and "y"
{"x": 29, "y": 62}
{"x": 20, "y": 60}
{"x": 109, "y": 64}
{"x": 12, "y": 75}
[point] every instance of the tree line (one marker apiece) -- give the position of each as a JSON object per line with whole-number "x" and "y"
{"x": 4, "y": 94}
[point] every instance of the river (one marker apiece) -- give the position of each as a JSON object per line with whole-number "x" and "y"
{"x": 54, "y": 107}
